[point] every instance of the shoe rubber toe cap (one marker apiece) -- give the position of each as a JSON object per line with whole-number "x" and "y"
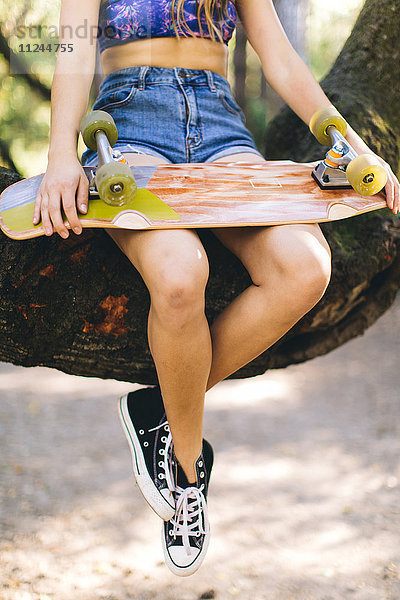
{"x": 181, "y": 557}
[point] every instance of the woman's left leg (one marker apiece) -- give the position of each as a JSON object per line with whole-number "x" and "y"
{"x": 290, "y": 268}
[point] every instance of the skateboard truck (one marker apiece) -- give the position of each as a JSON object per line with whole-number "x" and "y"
{"x": 331, "y": 172}
{"x": 342, "y": 166}
{"x": 113, "y": 177}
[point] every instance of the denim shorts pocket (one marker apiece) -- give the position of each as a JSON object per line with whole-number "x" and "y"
{"x": 230, "y": 104}
{"x": 115, "y": 97}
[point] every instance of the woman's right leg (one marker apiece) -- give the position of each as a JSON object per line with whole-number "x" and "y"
{"x": 174, "y": 267}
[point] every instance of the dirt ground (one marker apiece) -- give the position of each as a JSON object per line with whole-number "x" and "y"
{"x": 304, "y": 500}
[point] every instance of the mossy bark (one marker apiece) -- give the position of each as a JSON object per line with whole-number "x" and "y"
{"x": 80, "y": 306}
{"x": 364, "y": 84}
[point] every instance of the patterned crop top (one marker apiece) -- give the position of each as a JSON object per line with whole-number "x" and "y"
{"x": 122, "y": 21}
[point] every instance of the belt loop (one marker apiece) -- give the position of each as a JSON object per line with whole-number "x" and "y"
{"x": 142, "y": 77}
{"x": 210, "y": 79}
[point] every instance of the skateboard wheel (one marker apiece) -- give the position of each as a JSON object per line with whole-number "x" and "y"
{"x": 365, "y": 175}
{"x": 322, "y": 119}
{"x": 115, "y": 183}
{"x": 92, "y": 122}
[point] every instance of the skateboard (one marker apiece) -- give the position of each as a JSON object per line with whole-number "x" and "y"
{"x": 208, "y": 195}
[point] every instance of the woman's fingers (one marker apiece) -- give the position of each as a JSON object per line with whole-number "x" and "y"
{"x": 44, "y": 210}
{"x": 37, "y": 207}
{"x": 389, "y": 190}
{"x": 392, "y": 190}
{"x": 82, "y": 194}
{"x": 54, "y": 209}
{"x": 69, "y": 205}
{"x": 60, "y": 196}
{"x": 396, "y": 197}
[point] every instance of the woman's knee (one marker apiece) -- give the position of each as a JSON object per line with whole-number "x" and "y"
{"x": 173, "y": 265}
{"x": 301, "y": 256}
{"x": 314, "y": 274}
{"x": 177, "y": 287}
{"x": 308, "y": 265}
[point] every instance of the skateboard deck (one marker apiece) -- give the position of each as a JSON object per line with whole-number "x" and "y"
{"x": 196, "y": 195}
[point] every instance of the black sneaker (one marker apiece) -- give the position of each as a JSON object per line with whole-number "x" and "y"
{"x": 186, "y": 536}
{"x": 147, "y": 431}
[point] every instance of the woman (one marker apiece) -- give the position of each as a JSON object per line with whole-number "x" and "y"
{"x": 165, "y": 64}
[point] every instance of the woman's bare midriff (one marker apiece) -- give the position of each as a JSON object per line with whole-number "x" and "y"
{"x": 186, "y": 53}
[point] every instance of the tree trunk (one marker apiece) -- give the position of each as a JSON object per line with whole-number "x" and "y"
{"x": 364, "y": 85}
{"x": 239, "y": 64}
{"x": 79, "y": 305}
{"x": 293, "y": 16}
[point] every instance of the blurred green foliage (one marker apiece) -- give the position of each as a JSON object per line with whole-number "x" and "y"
{"x": 25, "y": 116}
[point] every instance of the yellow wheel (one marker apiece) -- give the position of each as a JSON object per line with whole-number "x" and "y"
{"x": 366, "y": 175}
{"x": 115, "y": 183}
{"x": 92, "y": 122}
{"x": 322, "y": 119}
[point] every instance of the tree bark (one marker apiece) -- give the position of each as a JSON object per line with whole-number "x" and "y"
{"x": 364, "y": 85}
{"x": 240, "y": 68}
{"x": 293, "y": 16}
{"x": 79, "y": 305}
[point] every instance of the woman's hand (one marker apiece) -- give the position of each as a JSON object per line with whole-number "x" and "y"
{"x": 64, "y": 186}
{"x": 392, "y": 188}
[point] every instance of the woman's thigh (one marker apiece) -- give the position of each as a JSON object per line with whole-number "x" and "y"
{"x": 165, "y": 258}
{"x": 294, "y": 248}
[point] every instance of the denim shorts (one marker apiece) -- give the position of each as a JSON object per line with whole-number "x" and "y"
{"x": 180, "y": 115}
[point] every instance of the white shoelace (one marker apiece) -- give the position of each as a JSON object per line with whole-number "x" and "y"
{"x": 191, "y": 518}
{"x": 165, "y": 464}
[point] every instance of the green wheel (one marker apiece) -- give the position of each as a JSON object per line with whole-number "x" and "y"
{"x": 322, "y": 119}
{"x": 115, "y": 183}
{"x": 92, "y": 122}
{"x": 365, "y": 175}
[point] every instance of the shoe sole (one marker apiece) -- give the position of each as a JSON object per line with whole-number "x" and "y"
{"x": 190, "y": 569}
{"x": 150, "y": 493}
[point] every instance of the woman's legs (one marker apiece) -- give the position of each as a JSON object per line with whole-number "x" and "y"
{"x": 290, "y": 269}
{"x": 174, "y": 267}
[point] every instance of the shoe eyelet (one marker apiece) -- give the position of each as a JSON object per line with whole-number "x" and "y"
{"x": 202, "y": 474}
{"x": 161, "y": 476}
{"x": 202, "y": 487}
{"x": 145, "y": 444}
{"x": 161, "y": 451}
{"x": 166, "y": 427}
{"x": 160, "y": 463}
{"x": 170, "y": 532}
{"x": 141, "y": 431}
{"x": 197, "y": 533}
{"x": 201, "y": 463}
{"x": 163, "y": 439}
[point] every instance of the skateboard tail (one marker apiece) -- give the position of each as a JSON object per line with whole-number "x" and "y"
{"x": 17, "y": 221}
